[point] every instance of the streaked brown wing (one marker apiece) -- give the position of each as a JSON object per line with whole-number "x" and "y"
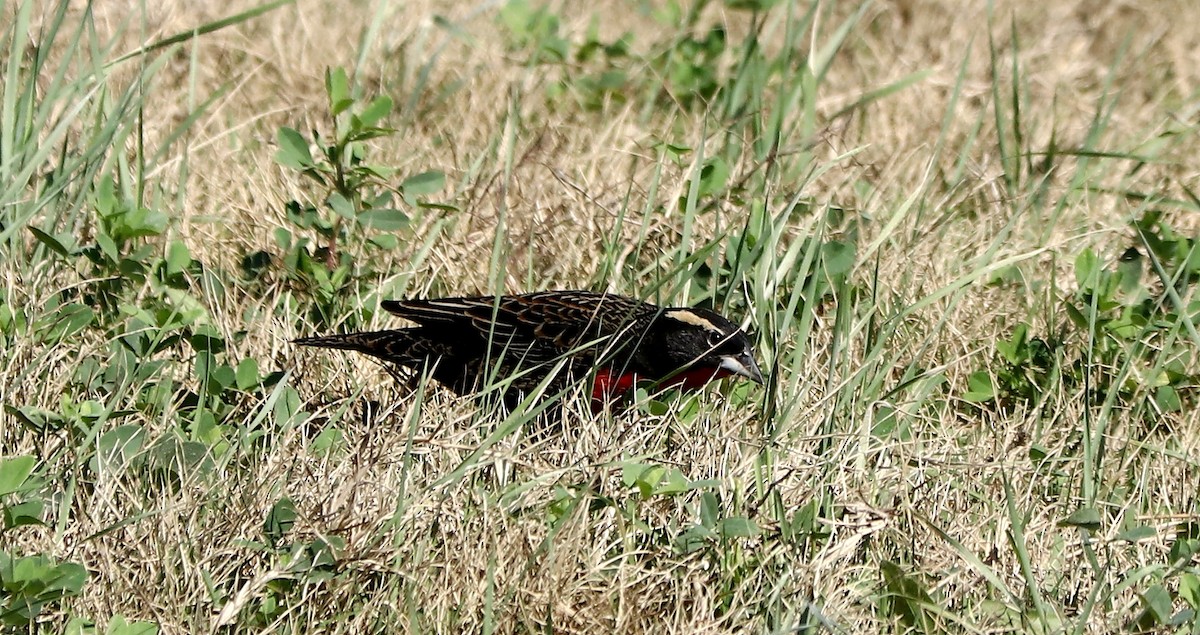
{"x": 407, "y": 347}
{"x": 571, "y": 317}
{"x": 537, "y": 326}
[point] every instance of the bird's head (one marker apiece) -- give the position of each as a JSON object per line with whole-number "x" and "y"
{"x": 698, "y": 341}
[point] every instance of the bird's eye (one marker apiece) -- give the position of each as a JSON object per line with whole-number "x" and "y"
{"x": 715, "y": 338}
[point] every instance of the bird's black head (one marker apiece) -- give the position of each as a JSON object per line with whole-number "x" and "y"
{"x": 699, "y": 339}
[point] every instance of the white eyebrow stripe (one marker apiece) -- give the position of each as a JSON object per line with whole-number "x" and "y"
{"x": 687, "y": 317}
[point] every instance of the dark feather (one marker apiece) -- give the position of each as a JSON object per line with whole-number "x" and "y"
{"x": 464, "y": 341}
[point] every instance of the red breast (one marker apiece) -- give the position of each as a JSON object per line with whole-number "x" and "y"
{"x": 610, "y": 385}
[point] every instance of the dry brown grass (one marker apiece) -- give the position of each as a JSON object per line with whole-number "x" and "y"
{"x": 486, "y": 550}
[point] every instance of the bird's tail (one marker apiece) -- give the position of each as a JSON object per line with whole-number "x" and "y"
{"x": 396, "y": 345}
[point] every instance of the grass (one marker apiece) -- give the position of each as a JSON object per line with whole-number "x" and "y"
{"x": 964, "y": 238}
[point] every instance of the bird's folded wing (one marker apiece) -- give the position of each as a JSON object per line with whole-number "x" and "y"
{"x": 550, "y": 324}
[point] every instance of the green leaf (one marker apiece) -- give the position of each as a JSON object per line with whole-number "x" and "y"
{"x": 10, "y": 320}
{"x": 387, "y": 242}
{"x": 424, "y": 183}
{"x": 644, "y": 477}
{"x": 675, "y": 483}
{"x": 1137, "y": 533}
{"x": 1129, "y": 273}
{"x": 337, "y": 87}
{"x": 737, "y": 527}
{"x": 13, "y": 473}
{"x": 325, "y": 553}
{"x": 37, "y": 419}
{"x": 32, "y": 581}
{"x": 1087, "y": 269}
{"x": 710, "y": 509}
{"x": 692, "y": 539}
{"x": 178, "y": 257}
{"x": 222, "y": 377}
{"x": 69, "y": 578}
{"x": 140, "y": 222}
{"x": 1015, "y": 351}
{"x": 207, "y": 339}
{"x": 24, "y": 513}
{"x": 384, "y": 219}
{"x": 445, "y": 207}
{"x": 247, "y": 373}
{"x": 293, "y": 150}
{"x": 119, "y": 626}
{"x": 1157, "y": 602}
{"x": 1167, "y": 399}
{"x": 1192, "y": 263}
{"x": 751, "y": 5}
{"x": 283, "y": 238}
{"x": 118, "y": 446}
{"x": 980, "y": 387}
{"x": 182, "y": 458}
{"x": 713, "y": 177}
{"x": 380, "y": 200}
{"x": 1085, "y": 517}
{"x": 108, "y": 246}
{"x": 908, "y": 598}
{"x": 341, "y": 206}
{"x": 106, "y": 197}
{"x": 837, "y": 257}
{"x": 280, "y": 520}
{"x": 55, "y": 243}
{"x": 1077, "y": 317}
{"x": 631, "y": 471}
{"x": 1011, "y": 274}
{"x": 379, "y": 108}
{"x": 886, "y": 420}
{"x": 68, "y": 320}
{"x": 359, "y": 132}
{"x": 1186, "y": 543}
{"x": 676, "y": 152}
{"x": 287, "y": 406}
{"x": 1189, "y": 589}
{"x": 328, "y": 441}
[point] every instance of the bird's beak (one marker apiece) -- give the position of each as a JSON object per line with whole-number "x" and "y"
{"x": 743, "y": 365}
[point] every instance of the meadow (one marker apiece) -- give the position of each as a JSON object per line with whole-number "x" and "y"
{"x": 963, "y": 237}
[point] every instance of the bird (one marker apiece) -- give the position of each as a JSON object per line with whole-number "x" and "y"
{"x": 557, "y": 337}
